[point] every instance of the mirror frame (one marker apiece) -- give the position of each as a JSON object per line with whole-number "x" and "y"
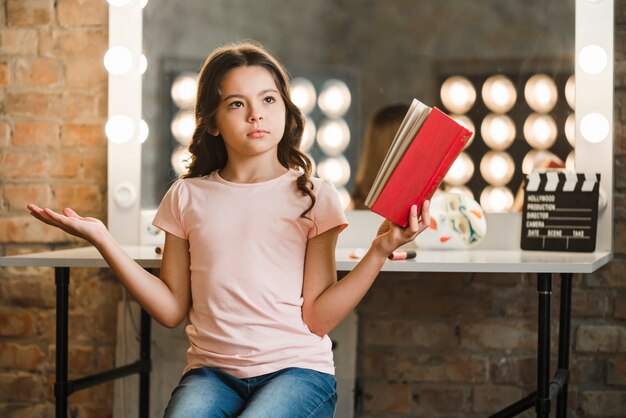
{"x": 594, "y": 94}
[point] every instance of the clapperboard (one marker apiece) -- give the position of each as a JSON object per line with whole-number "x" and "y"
{"x": 560, "y": 211}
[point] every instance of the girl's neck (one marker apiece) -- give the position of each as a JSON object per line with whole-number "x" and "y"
{"x": 251, "y": 173}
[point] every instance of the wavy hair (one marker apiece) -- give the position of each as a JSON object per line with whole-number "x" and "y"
{"x": 208, "y": 152}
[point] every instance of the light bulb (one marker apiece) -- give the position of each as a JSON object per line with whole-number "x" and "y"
{"x": 184, "y": 89}
{"x": 540, "y": 131}
{"x": 308, "y": 135}
{"x": 335, "y": 98}
{"x": 458, "y": 94}
{"x": 333, "y": 136}
{"x": 461, "y": 171}
{"x": 592, "y": 59}
{"x": 335, "y": 169}
{"x": 183, "y": 126}
{"x": 498, "y": 131}
{"x": 594, "y": 127}
{"x": 303, "y": 94}
{"x": 119, "y": 129}
{"x": 118, "y": 60}
{"x": 499, "y": 93}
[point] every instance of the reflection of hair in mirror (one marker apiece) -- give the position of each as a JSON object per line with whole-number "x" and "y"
{"x": 208, "y": 152}
{"x": 379, "y": 134}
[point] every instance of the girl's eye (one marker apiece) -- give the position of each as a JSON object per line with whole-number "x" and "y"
{"x": 235, "y": 105}
{"x": 269, "y": 99}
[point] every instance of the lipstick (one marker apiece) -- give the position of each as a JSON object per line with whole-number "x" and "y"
{"x": 402, "y": 255}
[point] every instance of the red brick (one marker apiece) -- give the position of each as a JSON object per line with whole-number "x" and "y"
{"x": 28, "y": 229}
{"x": 387, "y": 398}
{"x": 22, "y": 387}
{"x": 95, "y": 167}
{"x": 610, "y": 275}
{"x": 513, "y": 370}
{"x": 29, "y": 13}
{"x": 29, "y": 292}
{"x": 39, "y": 72}
{"x": 617, "y": 371}
{"x": 408, "y": 333}
{"x": 20, "y": 165}
{"x": 436, "y": 368}
{"x": 27, "y": 411}
{"x": 18, "y": 42}
{"x": 5, "y": 134}
{"x": 606, "y": 403}
{"x": 601, "y": 338}
{"x": 31, "y": 103}
{"x": 19, "y": 195}
{"x": 16, "y": 323}
{"x": 97, "y": 294}
{"x": 5, "y": 74}
{"x": 77, "y": 13}
{"x": 85, "y": 72}
{"x": 588, "y": 303}
{"x": 89, "y": 135}
{"x": 587, "y": 370}
{"x": 18, "y": 356}
{"x": 63, "y": 43}
{"x": 64, "y": 164}
{"x": 80, "y": 358}
{"x": 432, "y": 401}
{"x": 499, "y": 334}
{"x": 81, "y": 198}
{"x": 78, "y": 105}
{"x": 490, "y": 398}
{"x": 36, "y": 134}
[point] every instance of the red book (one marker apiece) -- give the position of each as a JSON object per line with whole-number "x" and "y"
{"x": 420, "y": 165}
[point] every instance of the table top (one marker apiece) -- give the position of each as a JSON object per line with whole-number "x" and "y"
{"x": 478, "y": 261}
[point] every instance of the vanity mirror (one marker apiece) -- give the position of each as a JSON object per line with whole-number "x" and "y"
{"x": 386, "y": 52}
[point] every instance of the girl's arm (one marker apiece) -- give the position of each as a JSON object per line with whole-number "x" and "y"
{"x": 166, "y": 299}
{"x": 328, "y": 301}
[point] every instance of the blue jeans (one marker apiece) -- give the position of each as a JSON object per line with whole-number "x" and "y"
{"x": 289, "y": 393}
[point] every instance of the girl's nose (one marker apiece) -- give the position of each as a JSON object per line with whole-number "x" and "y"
{"x": 255, "y": 117}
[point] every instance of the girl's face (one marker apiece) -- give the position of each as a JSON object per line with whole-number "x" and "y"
{"x": 251, "y": 114}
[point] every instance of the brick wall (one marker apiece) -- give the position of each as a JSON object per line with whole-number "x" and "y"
{"x": 460, "y": 345}
{"x": 452, "y": 345}
{"x": 53, "y": 95}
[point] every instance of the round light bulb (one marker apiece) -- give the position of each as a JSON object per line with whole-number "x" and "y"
{"x": 335, "y": 98}
{"x": 537, "y": 158}
{"x": 143, "y": 64}
{"x": 570, "y": 92}
{"x": 497, "y": 168}
{"x": 541, "y": 93}
{"x": 570, "y": 129}
{"x": 303, "y": 94}
{"x": 118, "y": 60}
{"x": 461, "y": 171}
{"x": 184, "y": 90}
{"x": 592, "y": 59}
{"x": 119, "y": 129}
{"x": 496, "y": 199}
{"x": 498, "y": 131}
{"x": 458, "y": 94}
{"x": 183, "y": 126}
{"x": 462, "y": 190}
{"x": 333, "y": 136}
{"x": 594, "y": 127}
{"x": 499, "y": 93}
{"x": 540, "y": 131}
{"x": 335, "y": 169}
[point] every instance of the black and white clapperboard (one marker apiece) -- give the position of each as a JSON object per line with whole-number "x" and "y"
{"x": 560, "y": 211}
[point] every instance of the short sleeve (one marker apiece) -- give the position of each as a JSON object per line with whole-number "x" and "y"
{"x": 169, "y": 216}
{"x": 327, "y": 212}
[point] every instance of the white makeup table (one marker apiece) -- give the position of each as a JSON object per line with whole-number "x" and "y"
{"x": 481, "y": 260}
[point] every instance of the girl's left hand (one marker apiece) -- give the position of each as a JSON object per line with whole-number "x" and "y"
{"x": 390, "y": 236}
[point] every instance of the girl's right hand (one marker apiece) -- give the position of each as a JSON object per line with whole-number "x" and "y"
{"x": 89, "y": 229}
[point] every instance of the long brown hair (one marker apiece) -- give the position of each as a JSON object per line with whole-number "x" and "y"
{"x": 379, "y": 135}
{"x": 208, "y": 152}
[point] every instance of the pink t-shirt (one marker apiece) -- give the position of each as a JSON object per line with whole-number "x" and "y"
{"x": 247, "y": 245}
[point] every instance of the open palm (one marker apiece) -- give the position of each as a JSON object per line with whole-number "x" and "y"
{"x": 69, "y": 221}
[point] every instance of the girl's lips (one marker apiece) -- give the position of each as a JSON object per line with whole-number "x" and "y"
{"x": 258, "y": 133}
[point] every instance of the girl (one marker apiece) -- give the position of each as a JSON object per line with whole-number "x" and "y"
{"x": 249, "y": 254}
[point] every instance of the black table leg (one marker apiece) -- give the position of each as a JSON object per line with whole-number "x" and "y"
{"x": 61, "y": 388}
{"x": 144, "y": 374}
{"x": 564, "y": 340}
{"x": 544, "y": 290}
